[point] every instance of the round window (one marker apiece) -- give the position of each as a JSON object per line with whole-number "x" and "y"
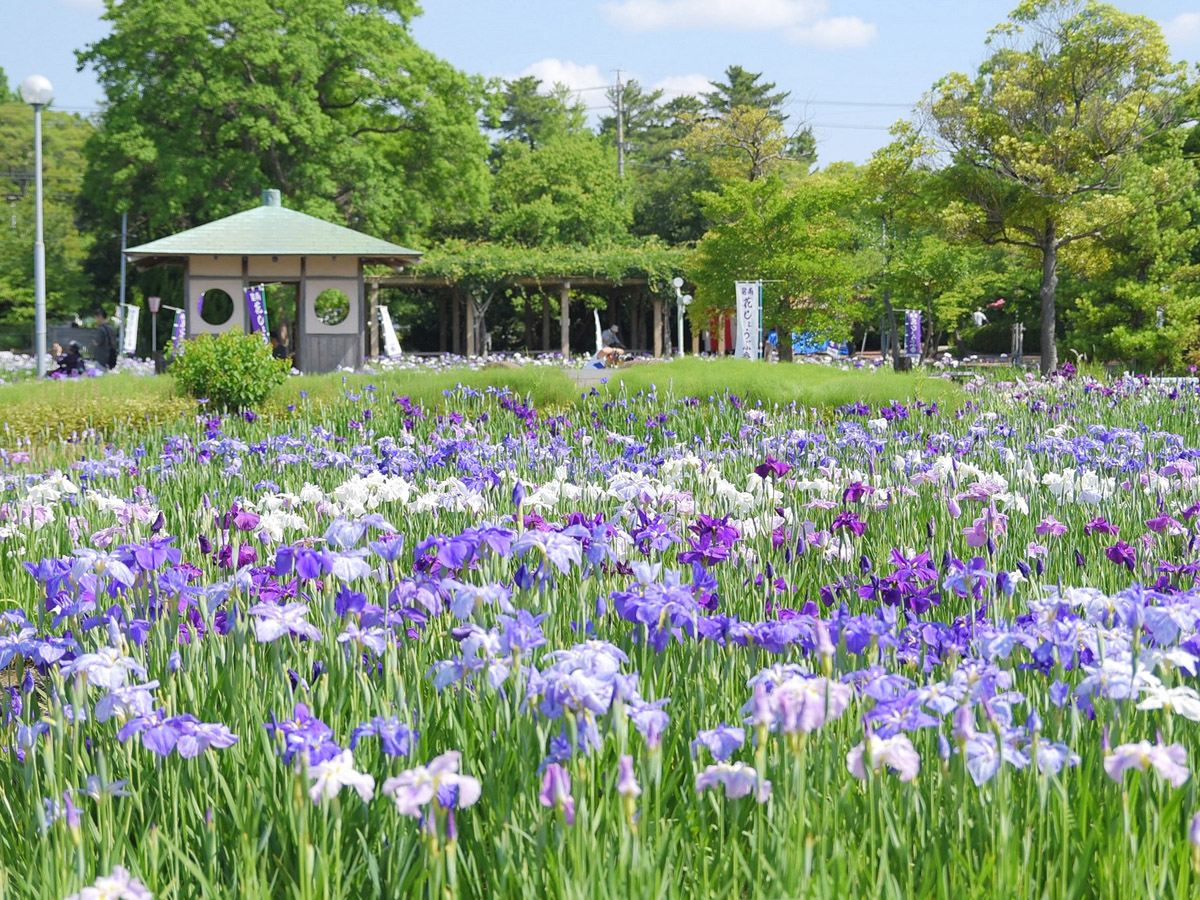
{"x": 215, "y": 307}
{"x": 332, "y": 306}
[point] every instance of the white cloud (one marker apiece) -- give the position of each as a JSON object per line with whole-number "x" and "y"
{"x": 1184, "y": 28}
{"x": 802, "y": 21}
{"x": 839, "y": 33}
{"x": 675, "y": 85}
{"x": 750, "y": 15}
{"x": 562, "y": 71}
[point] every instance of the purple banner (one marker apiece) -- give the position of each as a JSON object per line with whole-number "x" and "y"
{"x": 257, "y": 305}
{"x": 179, "y": 333}
{"x": 912, "y": 333}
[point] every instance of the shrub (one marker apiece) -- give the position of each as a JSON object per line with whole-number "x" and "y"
{"x": 233, "y": 370}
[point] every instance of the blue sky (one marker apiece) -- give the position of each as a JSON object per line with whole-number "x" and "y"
{"x": 852, "y": 66}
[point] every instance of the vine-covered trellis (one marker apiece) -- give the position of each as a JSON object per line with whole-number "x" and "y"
{"x": 629, "y": 283}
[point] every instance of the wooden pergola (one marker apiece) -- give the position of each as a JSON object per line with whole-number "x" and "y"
{"x": 458, "y": 336}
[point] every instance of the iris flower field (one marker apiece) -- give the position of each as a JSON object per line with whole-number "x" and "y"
{"x": 649, "y": 645}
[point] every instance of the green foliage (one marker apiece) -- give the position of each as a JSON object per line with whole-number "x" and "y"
{"x": 566, "y": 191}
{"x": 330, "y": 101}
{"x": 796, "y": 238}
{"x": 232, "y": 370}
{"x": 63, "y": 138}
{"x": 1044, "y": 136}
{"x": 534, "y": 118}
{"x": 487, "y": 265}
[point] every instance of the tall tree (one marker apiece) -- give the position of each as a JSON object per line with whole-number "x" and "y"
{"x": 1044, "y": 136}
{"x": 794, "y": 236}
{"x": 331, "y": 101}
{"x": 566, "y": 192}
{"x": 742, "y": 88}
{"x": 533, "y": 116}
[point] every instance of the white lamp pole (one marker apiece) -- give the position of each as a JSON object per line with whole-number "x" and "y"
{"x": 681, "y": 302}
{"x": 37, "y": 92}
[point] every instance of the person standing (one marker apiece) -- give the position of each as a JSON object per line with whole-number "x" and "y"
{"x": 105, "y": 347}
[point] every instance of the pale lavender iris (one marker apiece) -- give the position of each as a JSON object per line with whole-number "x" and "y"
{"x": 738, "y": 780}
{"x": 1169, "y": 761}
{"x": 556, "y": 792}
{"x": 721, "y": 741}
{"x": 273, "y": 622}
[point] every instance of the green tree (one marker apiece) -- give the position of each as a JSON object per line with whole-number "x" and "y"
{"x": 331, "y": 101}
{"x": 566, "y": 192}
{"x": 63, "y": 139}
{"x": 1044, "y": 136}
{"x": 796, "y": 238}
{"x": 533, "y": 117}
{"x": 742, "y": 88}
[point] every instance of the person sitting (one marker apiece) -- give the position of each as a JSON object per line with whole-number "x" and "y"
{"x": 610, "y": 345}
{"x": 278, "y": 349}
{"x": 71, "y": 362}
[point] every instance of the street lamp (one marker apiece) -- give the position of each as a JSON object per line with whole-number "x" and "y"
{"x": 37, "y": 92}
{"x": 682, "y": 300}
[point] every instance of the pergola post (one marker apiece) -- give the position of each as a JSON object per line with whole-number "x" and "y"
{"x": 455, "y": 323}
{"x": 545, "y": 324}
{"x": 695, "y": 343}
{"x": 564, "y": 322}
{"x": 442, "y": 336}
{"x": 657, "y": 326}
{"x": 471, "y": 349}
{"x": 721, "y": 334}
{"x": 373, "y": 312}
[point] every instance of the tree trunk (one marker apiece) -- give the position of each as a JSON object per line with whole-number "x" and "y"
{"x": 900, "y": 362}
{"x": 1049, "y": 288}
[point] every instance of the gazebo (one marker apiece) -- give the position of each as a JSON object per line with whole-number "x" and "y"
{"x": 274, "y": 245}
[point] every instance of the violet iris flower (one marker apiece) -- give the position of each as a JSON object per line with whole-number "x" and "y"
{"x": 1169, "y": 761}
{"x": 413, "y": 789}
{"x": 396, "y": 738}
{"x": 721, "y": 741}
{"x": 556, "y": 792}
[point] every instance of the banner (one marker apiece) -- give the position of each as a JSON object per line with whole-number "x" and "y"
{"x": 257, "y": 305}
{"x": 131, "y": 329}
{"x": 747, "y": 334}
{"x": 178, "y": 332}
{"x": 391, "y": 345}
{"x": 912, "y": 333}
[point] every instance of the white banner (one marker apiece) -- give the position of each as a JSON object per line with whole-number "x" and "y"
{"x": 747, "y": 326}
{"x": 131, "y": 329}
{"x": 391, "y": 345}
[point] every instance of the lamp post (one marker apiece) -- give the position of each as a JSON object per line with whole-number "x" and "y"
{"x": 37, "y": 92}
{"x": 682, "y": 301}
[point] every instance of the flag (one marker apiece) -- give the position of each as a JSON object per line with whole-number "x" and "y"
{"x": 178, "y": 332}
{"x": 391, "y": 345}
{"x": 131, "y": 329}
{"x": 257, "y": 305}
{"x": 748, "y": 320}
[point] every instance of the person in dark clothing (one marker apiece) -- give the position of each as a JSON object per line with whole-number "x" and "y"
{"x": 71, "y": 362}
{"x": 106, "y": 341}
{"x": 610, "y": 345}
{"x": 279, "y": 350}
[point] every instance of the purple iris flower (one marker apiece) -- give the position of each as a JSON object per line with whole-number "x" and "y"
{"x": 847, "y": 520}
{"x": 1122, "y": 554}
{"x": 396, "y": 738}
{"x": 650, "y": 720}
{"x": 556, "y": 791}
{"x": 388, "y": 548}
{"x": 1100, "y": 525}
{"x": 304, "y": 735}
{"x": 1169, "y": 761}
{"x": 721, "y": 741}
{"x": 772, "y": 466}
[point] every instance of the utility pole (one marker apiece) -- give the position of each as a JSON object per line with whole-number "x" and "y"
{"x": 620, "y": 126}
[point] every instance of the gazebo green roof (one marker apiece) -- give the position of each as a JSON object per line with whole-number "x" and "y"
{"x": 271, "y": 230}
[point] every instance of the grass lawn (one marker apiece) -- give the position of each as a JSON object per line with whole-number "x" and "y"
{"x": 45, "y": 414}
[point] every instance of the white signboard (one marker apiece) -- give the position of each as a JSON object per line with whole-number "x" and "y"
{"x": 747, "y": 327}
{"x": 131, "y": 329}
{"x": 391, "y": 345}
